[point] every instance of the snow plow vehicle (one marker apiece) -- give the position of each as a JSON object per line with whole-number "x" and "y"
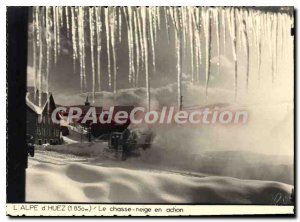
{"x": 122, "y": 145}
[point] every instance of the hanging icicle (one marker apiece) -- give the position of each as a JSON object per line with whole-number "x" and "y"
{"x": 197, "y": 41}
{"x": 166, "y": 14}
{"x": 48, "y": 45}
{"x": 274, "y": 46}
{"x": 217, "y": 26}
{"x": 246, "y": 34}
{"x": 67, "y": 20}
{"x": 120, "y": 23}
{"x": 131, "y": 45}
{"x": 81, "y": 40}
{"x": 58, "y": 25}
{"x": 224, "y": 29}
{"x": 137, "y": 46}
{"x": 233, "y": 35}
{"x": 40, "y": 63}
{"x": 207, "y": 33}
{"x": 176, "y": 18}
{"x": 127, "y": 14}
{"x": 92, "y": 37}
{"x": 113, "y": 31}
{"x": 141, "y": 37}
{"x": 152, "y": 36}
{"x": 107, "y": 31}
{"x": 34, "y": 48}
{"x": 258, "y": 33}
{"x": 249, "y": 31}
{"x": 98, "y": 32}
{"x": 145, "y": 46}
{"x": 74, "y": 40}
{"x": 191, "y": 39}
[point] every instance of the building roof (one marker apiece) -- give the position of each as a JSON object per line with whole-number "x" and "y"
{"x": 34, "y": 103}
{"x": 83, "y": 108}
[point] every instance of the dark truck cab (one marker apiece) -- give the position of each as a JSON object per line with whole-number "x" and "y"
{"x": 30, "y": 145}
{"x": 127, "y": 143}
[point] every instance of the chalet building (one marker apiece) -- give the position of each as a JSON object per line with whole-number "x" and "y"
{"x": 39, "y": 123}
{"x": 84, "y": 108}
{"x": 96, "y": 129}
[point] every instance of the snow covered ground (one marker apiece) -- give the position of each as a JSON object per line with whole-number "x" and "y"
{"x": 56, "y": 176}
{"x": 207, "y": 166}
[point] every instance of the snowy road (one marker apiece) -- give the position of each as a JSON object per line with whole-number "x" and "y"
{"x": 220, "y": 160}
{"x": 56, "y": 158}
{"x": 44, "y": 156}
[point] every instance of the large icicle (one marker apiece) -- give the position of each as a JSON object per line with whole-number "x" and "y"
{"x": 92, "y": 37}
{"x": 191, "y": 35}
{"x": 224, "y": 29}
{"x": 98, "y": 32}
{"x": 131, "y": 45}
{"x": 258, "y": 22}
{"x": 198, "y": 20}
{"x": 81, "y": 39}
{"x": 141, "y": 36}
{"x": 137, "y": 46}
{"x": 196, "y": 41}
{"x": 145, "y": 44}
{"x": 113, "y": 30}
{"x": 55, "y": 34}
{"x": 48, "y": 44}
{"x": 233, "y": 35}
{"x": 158, "y": 16}
{"x": 67, "y": 20}
{"x": 107, "y": 44}
{"x": 274, "y": 46}
{"x": 152, "y": 35}
{"x": 183, "y": 23}
{"x": 40, "y": 37}
{"x": 74, "y": 33}
{"x": 120, "y": 23}
{"x": 246, "y": 33}
{"x": 207, "y": 32}
{"x": 152, "y": 11}
{"x": 34, "y": 46}
{"x": 127, "y": 14}
{"x": 178, "y": 44}
{"x": 166, "y": 14}
{"x": 235, "y": 53}
{"x": 58, "y": 25}
{"x": 217, "y": 24}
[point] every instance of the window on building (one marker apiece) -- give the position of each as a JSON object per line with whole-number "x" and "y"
{"x": 38, "y": 131}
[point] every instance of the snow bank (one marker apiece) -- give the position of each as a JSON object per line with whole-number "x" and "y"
{"x": 80, "y": 149}
{"x": 68, "y": 140}
{"x": 85, "y": 183}
{"x": 184, "y": 156}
